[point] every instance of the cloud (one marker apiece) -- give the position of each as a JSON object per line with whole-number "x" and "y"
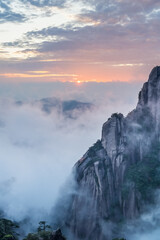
{"x": 37, "y": 156}
{"x": 118, "y": 9}
{"x": 46, "y": 3}
{"x": 11, "y": 17}
{"x": 17, "y": 43}
{"x": 93, "y": 92}
{"x": 95, "y": 41}
{"x": 146, "y": 227}
{"x": 117, "y": 26}
{"x": 7, "y": 15}
{"x": 35, "y": 75}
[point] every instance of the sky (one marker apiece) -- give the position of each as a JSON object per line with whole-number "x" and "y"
{"x": 77, "y": 40}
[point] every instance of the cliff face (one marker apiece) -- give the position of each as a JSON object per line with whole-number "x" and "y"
{"x": 116, "y": 176}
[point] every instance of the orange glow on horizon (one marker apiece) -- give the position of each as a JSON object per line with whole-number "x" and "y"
{"x": 82, "y": 74}
{"x": 24, "y": 75}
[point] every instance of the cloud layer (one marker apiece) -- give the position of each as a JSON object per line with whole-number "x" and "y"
{"x": 39, "y": 150}
{"x": 37, "y": 155}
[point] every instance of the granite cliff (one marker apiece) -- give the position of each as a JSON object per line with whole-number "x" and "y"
{"x": 118, "y": 175}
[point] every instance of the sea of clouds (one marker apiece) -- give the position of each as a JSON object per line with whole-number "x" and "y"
{"x": 38, "y": 150}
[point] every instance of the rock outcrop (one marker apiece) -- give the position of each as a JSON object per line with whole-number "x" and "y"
{"x": 116, "y": 177}
{"x": 57, "y": 235}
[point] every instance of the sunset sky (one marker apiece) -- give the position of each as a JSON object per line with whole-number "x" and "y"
{"x": 78, "y": 40}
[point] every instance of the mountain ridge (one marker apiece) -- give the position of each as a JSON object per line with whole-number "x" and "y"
{"x": 69, "y": 108}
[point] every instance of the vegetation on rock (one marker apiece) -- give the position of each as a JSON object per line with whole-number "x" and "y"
{"x": 8, "y": 229}
{"x": 145, "y": 175}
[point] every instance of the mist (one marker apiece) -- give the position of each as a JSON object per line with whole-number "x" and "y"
{"x": 37, "y": 154}
{"x": 146, "y": 227}
{"x": 39, "y": 150}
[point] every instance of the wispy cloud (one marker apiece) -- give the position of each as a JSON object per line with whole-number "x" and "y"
{"x": 46, "y": 3}
{"x": 8, "y": 15}
{"x": 37, "y": 74}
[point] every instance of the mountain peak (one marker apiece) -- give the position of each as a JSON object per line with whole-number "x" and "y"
{"x": 154, "y": 75}
{"x": 150, "y": 92}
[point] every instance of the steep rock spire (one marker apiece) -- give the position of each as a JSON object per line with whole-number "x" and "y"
{"x": 150, "y": 92}
{"x": 149, "y": 97}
